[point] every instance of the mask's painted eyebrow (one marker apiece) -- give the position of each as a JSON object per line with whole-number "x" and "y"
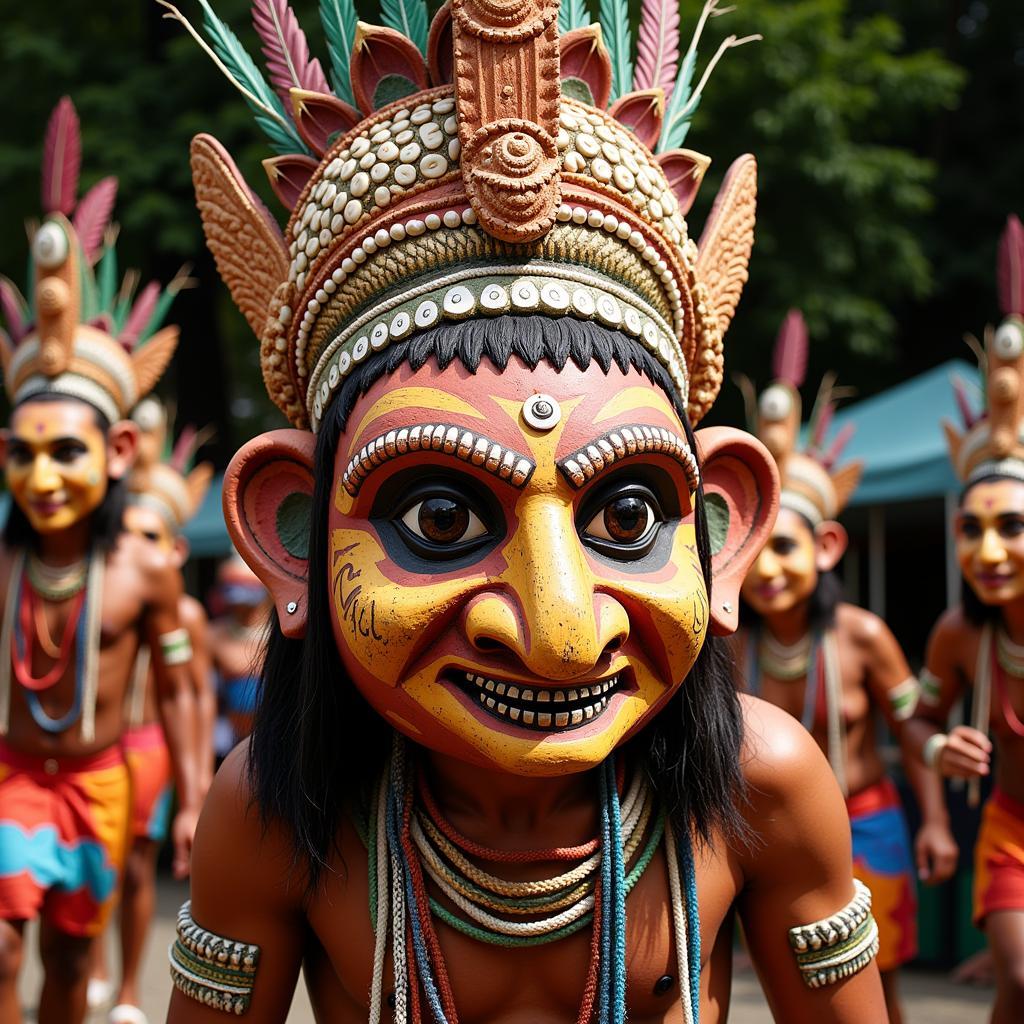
{"x": 459, "y": 443}
{"x": 622, "y": 443}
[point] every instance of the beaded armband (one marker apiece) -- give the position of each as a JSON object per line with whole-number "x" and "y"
{"x": 931, "y": 688}
{"x": 212, "y": 970}
{"x": 903, "y": 698}
{"x": 839, "y": 946}
{"x": 176, "y": 647}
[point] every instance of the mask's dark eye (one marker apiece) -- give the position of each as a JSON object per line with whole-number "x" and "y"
{"x": 622, "y": 522}
{"x": 625, "y": 520}
{"x": 151, "y": 535}
{"x": 443, "y": 520}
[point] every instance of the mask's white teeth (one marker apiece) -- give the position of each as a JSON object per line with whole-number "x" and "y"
{"x": 512, "y": 707}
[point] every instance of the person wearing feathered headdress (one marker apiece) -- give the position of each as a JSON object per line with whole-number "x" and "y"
{"x": 165, "y": 491}
{"x": 979, "y": 645}
{"x": 835, "y": 666}
{"x": 79, "y": 597}
{"x": 497, "y": 765}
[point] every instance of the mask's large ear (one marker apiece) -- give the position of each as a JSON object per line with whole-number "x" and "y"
{"x": 741, "y": 500}
{"x": 268, "y": 495}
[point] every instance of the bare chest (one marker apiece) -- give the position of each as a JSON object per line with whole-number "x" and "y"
{"x": 499, "y": 984}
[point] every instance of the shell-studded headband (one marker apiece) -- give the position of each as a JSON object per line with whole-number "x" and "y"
{"x": 811, "y": 482}
{"x": 506, "y": 159}
{"x": 992, "y": 443}
{"x": 81, "y": 332}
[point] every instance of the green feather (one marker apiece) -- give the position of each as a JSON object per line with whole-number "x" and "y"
{"x": 572, "y": 14}
{"x": 159, "y": 314}
{"x": 262, "y": 100}
{"x": 108, "y": 279}
{"x": 339, "y": 19}
{"x": 408, "y": 17}
{"x": 677, "y": 116}
{"x": 614, "y": 21}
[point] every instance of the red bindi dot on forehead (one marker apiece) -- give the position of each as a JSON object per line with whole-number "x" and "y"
{"x": 40, "y": 427}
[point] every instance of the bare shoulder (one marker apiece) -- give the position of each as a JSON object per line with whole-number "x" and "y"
{"x": 775, "y": 745}
{"x": 794, "y": 806}
{"x": 952, "y": 626}
{"x": 863, "y": 627}
{"x": 237, "y": 855}
{"x": 191, "y": 613}
{"x": 953, "y": 640}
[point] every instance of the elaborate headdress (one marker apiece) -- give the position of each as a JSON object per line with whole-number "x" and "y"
{"x": 79, "y": 333}
{"x": 993, "y": 441}
{"x": 470, "y": 170}
{"x": 811, "y": 483}
{"x": 173, "y": 486}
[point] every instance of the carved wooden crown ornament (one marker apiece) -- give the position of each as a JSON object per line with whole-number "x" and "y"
{"x": 82, "y": 335}
{"x": 497, "y": 162}
{"x": 811, "y": 483}
{"x": 992, "y": 443}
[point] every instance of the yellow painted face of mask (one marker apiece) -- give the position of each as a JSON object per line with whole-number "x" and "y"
{"x": 56, "y": 463}
{"x": 515, "y": 587}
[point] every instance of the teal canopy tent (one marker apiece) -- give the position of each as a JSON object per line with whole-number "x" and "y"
{"x": 899, "y": 436}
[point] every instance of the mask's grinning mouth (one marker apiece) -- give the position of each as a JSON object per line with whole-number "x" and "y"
{"x": 541, "y": 708}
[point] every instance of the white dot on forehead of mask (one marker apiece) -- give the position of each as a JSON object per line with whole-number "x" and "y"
{"x": 541, "y": 412}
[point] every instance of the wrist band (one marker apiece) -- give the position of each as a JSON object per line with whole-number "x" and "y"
{"x": 176, "y": 647}
{"x": 931, "y": 688}
{"x": 932, "y": 749}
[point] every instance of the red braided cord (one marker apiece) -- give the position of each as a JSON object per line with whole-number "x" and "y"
{"x": 414, "y": 977}
{"x": 590, "y": 988}
{"x": 423, "y": 909}
{"x": 1009, "y": 714}
{"x": 22, "y": 662}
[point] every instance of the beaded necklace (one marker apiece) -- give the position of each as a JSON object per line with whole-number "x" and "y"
{"x": 785, "y": 662}
{"x": 824, "y": 682}
{"x": 56, "y": 583}
{"x": 81, "y": 635}
{"x": 409, "y": 840}
{"x": 1009, "y": 662}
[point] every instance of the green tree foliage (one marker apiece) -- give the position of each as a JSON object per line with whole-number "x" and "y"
{"x": 881, "y": 198}
{"x": 825, "y": 102}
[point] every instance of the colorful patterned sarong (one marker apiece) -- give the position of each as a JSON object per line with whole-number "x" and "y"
{"x": 63, "y": 838}
{"x": 883, "y": 860}
{"x": 149, "y": 768}
{"x": 999, "y": 857}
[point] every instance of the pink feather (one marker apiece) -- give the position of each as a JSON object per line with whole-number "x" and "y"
{"x": 62, "y": 159}
{"x": 183, "y": 450}
{"x": 13, "y": 308}
{"x": 286, "y": 50}
{"x": 657, "y": 55}
{"x": 789, "y": 361}
{"x": 93, "y": 216}
{"x": 1011, "y": 267}
{"x": 963, "y": 403}
{"x": 831, "y": 457}
{"x": 821, "y": 427}
{"x": 137, "y": 319}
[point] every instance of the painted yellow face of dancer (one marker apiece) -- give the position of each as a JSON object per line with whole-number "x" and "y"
{"x": 56, "y": 463}
{"x": 786, "y": 571}
{"x": 990, "y": 540}
{"x": 148, "y": 524}
{"x": 507, "y": 617}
